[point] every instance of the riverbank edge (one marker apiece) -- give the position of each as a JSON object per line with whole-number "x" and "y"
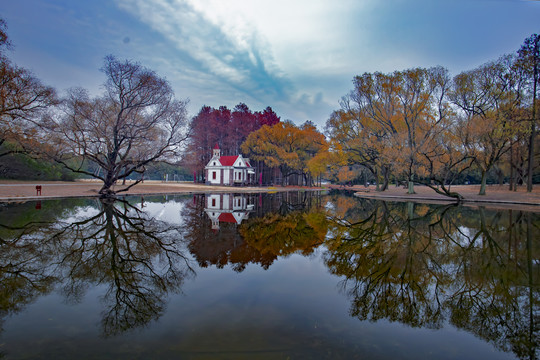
{"x": 439, "y": 200}
{"x": 199, "y": 190}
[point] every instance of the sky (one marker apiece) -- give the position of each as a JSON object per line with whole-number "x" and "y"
{"x": 297, "y": 56}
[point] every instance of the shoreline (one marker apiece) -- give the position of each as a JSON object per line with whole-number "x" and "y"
{"x": 496, "y": 195}
{"x": 14, "y": 191}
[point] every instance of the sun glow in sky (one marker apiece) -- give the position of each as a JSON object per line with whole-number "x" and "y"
{"x": 297, "y": 56}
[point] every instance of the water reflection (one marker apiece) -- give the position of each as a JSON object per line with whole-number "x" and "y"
{"x": 238, "y": 229}
{"x": 228, "y": 208}
{"x": 426, "y": 266}
{"x": 423, "y": 265}
{"x": 114, "y": 244}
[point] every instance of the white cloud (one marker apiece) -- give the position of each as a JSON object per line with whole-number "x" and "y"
{"x": 302, "y": 35}
{"x": 185, "y": 27}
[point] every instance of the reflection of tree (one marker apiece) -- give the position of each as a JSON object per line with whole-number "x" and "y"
{"x": 277, "y": 218}
{"x": 422, "y": 265}
{"x": 138, "y": 257}
{"x": 499, "y": 296}
{"x": 219, "y": 248}
{"x": 388, "y": 268}
{"x": 24, "y": 270}
{"x": 115, "y": 244}
{"x": 277, "y": 235}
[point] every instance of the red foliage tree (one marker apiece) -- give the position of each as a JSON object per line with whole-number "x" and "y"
{"x": 229, "y": 129}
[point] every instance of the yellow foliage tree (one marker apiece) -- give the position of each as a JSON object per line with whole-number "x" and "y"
{"x": 289, "y": 148}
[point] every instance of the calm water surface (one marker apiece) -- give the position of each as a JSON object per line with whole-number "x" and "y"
{"x": 271, "y": 276}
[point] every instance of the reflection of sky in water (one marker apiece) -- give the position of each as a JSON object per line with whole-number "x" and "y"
{"x": 296, "y": 308}
{"x": 170, "y": 211}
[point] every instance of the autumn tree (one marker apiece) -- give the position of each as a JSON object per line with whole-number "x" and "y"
{"x": 443, "y": 159}
{"x": 286, "y": 147}
{"x": 489, "y": 98}
{"x": 136, "y": 121}
{"x": 357, "y": 141}
{"x": 388, "y": 121}
{"x": 22, "y": 99}
{"x": 203, "y": 137}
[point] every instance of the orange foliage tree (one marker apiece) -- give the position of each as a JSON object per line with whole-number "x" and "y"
{"x": 389, "y": 120}
{"x": 287, "y": 147}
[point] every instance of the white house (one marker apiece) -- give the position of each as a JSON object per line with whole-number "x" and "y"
{"x": 228, "y": 170}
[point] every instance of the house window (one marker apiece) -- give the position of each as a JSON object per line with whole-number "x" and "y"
{"x": 214, "y": 175}
{"x": 213, "y": 202}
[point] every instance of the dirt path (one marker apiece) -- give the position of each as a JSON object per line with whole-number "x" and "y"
{"x": 25, "y": 190}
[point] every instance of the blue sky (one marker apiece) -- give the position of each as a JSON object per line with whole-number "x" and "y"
{"x": 297, "y": 56}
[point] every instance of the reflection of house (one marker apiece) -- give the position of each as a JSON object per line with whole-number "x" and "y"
{"x": 227, "y": 208}
{"x": 228, "y": 170}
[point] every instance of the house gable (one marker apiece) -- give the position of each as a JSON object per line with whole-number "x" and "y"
{"x": 214, "y": 162}
{"x": 236, "y": 161}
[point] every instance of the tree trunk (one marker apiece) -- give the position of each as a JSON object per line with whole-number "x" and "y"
{"x": 533, "y": 124}
{"x": 410, "y": 187}
{"x": 483, "y": 183}
{"x": 386, "y": 179}
{"x": 511, "y": 180}
{"x": 531, "y": 154}
{"x": 106, "y": 190}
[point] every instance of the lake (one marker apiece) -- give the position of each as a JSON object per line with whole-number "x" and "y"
{"x": 296, "y": 275}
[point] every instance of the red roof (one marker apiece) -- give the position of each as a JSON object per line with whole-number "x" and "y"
{"x": 228, "y": 160}
{"x": 227, "y": 217}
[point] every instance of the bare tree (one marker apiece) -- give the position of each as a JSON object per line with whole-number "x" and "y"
{"x": 22, "y": 98}
{"x": 135, "y": 122}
